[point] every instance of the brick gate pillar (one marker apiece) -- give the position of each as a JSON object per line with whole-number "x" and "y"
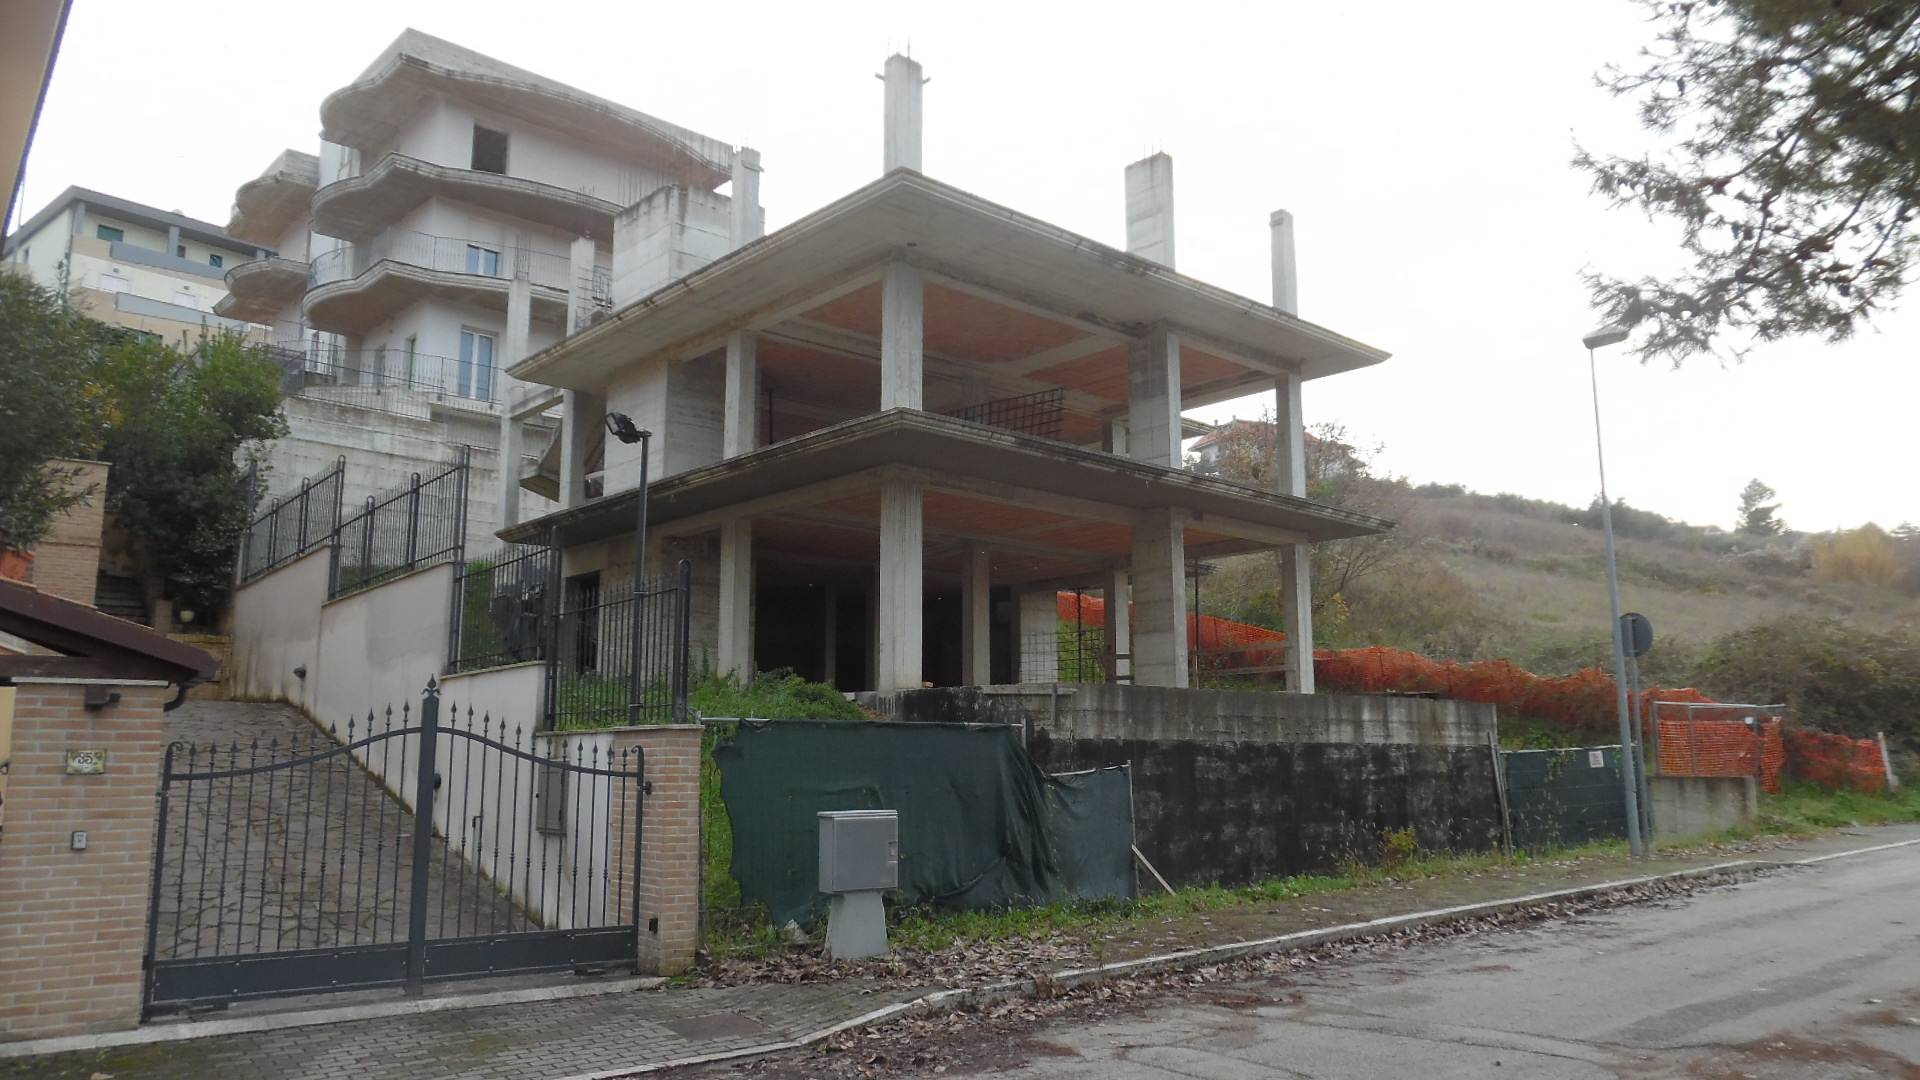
{"x": 73, "y": 918}
{"x": 669, "y": 879}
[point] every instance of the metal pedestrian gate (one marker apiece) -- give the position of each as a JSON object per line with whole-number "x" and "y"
{"x": 300, "y": 868}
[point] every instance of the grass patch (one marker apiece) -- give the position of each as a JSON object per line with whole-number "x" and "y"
{"x": 1806, "y": 808}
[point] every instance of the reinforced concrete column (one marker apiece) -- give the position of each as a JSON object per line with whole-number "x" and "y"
{"x": 1150, "y": 209}
{"x": 830, "y": 635}
{"x": 902, "y": 358}
{"x": 581, "y": 416}
{"x": 1118, "y": 590}
{"x": 1160, "y": 599}
{"x": 748, "y": 222}
{"x": 514, "y": 350}
{"x": 903, "y": 82}
{"x": 1153, "y": 398}
{"x": 580, "y": 266}
{"x": 1290, "y": 470}
{"x": 735, "y": 656}
{"x": 740, "y": 427}
{"x": 899, "y": 595}
{"x": 976, "y": 616}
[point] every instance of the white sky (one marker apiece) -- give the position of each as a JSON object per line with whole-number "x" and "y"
{"x": 1422, "y": 148}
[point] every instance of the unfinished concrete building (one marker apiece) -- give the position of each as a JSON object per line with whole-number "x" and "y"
{"x": 459, "y": 214}
{"x": 887, "y": 434}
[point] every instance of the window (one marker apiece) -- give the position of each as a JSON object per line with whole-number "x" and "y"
{"x": 489, "y": 150}
{"x": 481, "y": 260}
{"x": 380, "y": 365}
{"x": 474, "y": 379}
{"x": 412, "y": 341}
{"x": 109, "y": 233}
{"x": 215, "y": 261}
{"x": 112, "y": 282}
{"x": 179, "y": 251}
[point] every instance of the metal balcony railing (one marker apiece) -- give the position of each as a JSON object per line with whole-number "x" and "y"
{"x": 376, "y": 377}
{"x": 444, "y": 254}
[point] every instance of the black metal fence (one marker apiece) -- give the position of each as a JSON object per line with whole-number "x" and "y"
{"x": 340, "y": 861}
{"x": 294, "y": 524}
{"x": 500, "y": 607}
{"x": 619, "y": 656}
{"x": 1039, "y": 414}
{"x": 419, "y": 524}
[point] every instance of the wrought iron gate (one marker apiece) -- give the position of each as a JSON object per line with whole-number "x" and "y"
{"x": 299, "y": 868}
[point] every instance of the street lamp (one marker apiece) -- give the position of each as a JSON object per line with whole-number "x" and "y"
{"x": 1599, "y": 339}
{"x": 622, "y": 427}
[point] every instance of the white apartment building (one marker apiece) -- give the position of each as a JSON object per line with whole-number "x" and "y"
{"x": 458, "y": 216}
{"x": 125, "y": 263}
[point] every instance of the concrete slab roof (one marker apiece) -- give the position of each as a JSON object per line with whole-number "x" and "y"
{"x": 961, "y": 454}
{"x": 373, "y": 107}
{"x": 952, "y": 234}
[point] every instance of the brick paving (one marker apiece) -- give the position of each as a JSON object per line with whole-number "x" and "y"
{"x": 537, "y": 1039}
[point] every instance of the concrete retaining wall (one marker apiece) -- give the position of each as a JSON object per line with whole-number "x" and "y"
{"x": 1691, "y": 805}
{"x": 379, "y": 646}
{"x": 276, "y": 628}
{"x": 1236, "y": 786}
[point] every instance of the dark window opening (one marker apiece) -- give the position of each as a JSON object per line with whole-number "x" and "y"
{"x": 489, "y": 150}
{"x": 215, "y": 261}
{"x": 109, "y": 233}
{"x": 180, "y": 251}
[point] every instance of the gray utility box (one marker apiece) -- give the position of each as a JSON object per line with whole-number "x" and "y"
{"x": 859, "y": 850}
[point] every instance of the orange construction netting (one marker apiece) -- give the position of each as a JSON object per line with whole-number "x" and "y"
{"x": 1715, "y": 740}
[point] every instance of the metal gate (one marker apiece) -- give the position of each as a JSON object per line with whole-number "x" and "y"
{"x": 299, "y": 868}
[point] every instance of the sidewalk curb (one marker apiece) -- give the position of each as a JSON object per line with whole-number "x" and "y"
{"x": 948, "y": 1000}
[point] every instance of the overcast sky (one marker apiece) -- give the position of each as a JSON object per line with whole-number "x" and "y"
{"x": 1422, "y": 148}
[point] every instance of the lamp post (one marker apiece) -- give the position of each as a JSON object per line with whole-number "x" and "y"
{"x": 622, "y": 427}
{"x": 1629, "y": 767}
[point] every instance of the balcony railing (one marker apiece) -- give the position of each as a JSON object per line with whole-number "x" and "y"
{"x": 384, "y": 378}
{"x": 443, "y": 254}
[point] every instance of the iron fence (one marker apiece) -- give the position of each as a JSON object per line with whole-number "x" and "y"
{"x": 499, "y": 608}
{"x": 293, "y": 524}
{"x": 420, "y": 524}
{"x": 618, "y": 657}
{"x": 480, "y": 257}
{"x": 373, "y": 377}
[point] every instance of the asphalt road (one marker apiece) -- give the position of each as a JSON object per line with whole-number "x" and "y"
{"x": 1809, "y": 972}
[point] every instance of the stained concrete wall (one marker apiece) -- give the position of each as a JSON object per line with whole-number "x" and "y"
{"x": 379, "y": 646}
{"x": 276, "y": 628}
{"x": 1690, "y": 805}
{"x": 1234, "y": 786}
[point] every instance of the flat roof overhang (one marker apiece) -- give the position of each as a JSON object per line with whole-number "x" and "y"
{"x": 371, "y": 110}
{"x": 356, "y": 208}
{"x": 962, "y": 456}
{"x": 955, "y": 235}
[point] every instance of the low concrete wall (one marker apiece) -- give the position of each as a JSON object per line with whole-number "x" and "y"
{"x": 1691, "y": 805}
{"x": 276, "y": 628}
{"x": 1236, "y": 786}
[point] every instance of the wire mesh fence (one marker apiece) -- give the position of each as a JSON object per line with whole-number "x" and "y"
{"x": 1073, "y": 653}
{"x": 419, "y": 524}
{"x": 294, "y": 524}
{"x": 500, "y": 607}
{"x": 1038, "y": 414}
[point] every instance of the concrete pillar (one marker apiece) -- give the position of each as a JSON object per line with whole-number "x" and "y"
{"x": 899, "y": 595}
{"x": 581, "y": 415}
{"x": 1118, "y": 590}
{"x": 830, "y": 635}
{"x": 903, "y": 82}
{"x": 1038, "y": 637}
{"x": 976, "y": 616}
{"x": 740, "y": 425}
{"x": 736, "y": 599}
{"x": 1286, "y": 279}
{"x": 173, "y": 239}
{"x": 1296, "y": 614}
{"x": 1153, "y": 398}
{"x": 749, "y": 221}
{"x": 1150, "y": 209}
{"x": 1160, "y": 599}
{"x": 902, "y": 360}
{"x": 513, "y": 350}
{"x": 1113, "y": 436}
{"x": 580, "y": 265}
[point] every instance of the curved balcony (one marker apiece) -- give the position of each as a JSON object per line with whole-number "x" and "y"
{"x": 265, "y": 206}
{"x": 359, "y": 207}
{"x": 353, "y": 288}
{"x": 261, "y": 289}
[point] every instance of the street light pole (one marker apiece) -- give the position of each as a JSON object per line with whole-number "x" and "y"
{"x": 1629, "y": 767}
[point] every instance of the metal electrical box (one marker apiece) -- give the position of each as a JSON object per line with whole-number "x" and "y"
{"x": 859, "y": 850}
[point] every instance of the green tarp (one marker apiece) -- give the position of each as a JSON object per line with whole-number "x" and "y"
{"x": 980, "y": 825}
{"x": 1561, "y": 798}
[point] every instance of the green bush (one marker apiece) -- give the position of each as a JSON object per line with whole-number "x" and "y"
{"x": 1830, "y": 674}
